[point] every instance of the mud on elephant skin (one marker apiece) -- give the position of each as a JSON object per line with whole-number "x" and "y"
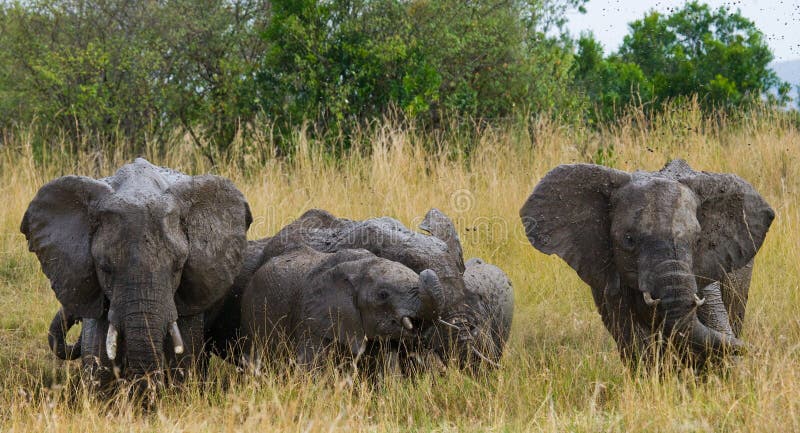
{"x": 304, "y": 303}
{"x": 137, "y": 257}
{"x": 656, "y": 248}
{"x": 387, "y": 238}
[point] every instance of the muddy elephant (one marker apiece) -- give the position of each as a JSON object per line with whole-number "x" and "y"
{"x": 138, "y": 257}
{"x": 668, "y": 254}
{"x": 456, "y": 330}
{"x": 495, "y": 295}
{"x": 304, "y": 303}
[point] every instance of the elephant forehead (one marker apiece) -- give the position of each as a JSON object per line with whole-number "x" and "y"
{"x": 658, "y": 206}
{"x": 383, "y": 270}
{"x": 142, "y": 176}
{"x": 142, "y": 202}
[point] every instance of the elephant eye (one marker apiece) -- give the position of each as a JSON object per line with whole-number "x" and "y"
{"x": 383, "y": 295}
{"x": 628, "y": 242}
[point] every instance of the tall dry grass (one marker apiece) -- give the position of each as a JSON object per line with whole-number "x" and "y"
{"x": 561, "y": 371}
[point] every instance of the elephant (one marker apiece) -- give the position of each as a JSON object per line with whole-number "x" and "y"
{"x": 138, "y": 258}
{"x": 303, "y": 303}
{"x": 668, "y": 254}
{"x": 495, "y": 294}
{"x": 458, "y": 319}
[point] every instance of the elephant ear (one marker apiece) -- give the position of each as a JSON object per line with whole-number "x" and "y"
{"x": 441, "y": 226}
{"x": 58, "y": 226}
{"x": 335, "y": 301}
{"x": 215, "y": 218}
{"x": 733, "y": 217}
{"x": 568, "y": 214}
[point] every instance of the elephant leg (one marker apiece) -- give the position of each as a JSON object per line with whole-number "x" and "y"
{"x": 735, "y": 290}
{"x": 309, "y": 353}
{"x": 97, "y": 368}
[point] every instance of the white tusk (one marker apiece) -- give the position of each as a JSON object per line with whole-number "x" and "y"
{"x": 407, "y": 323}
{"x": 111, "y": 342}
{"x": 649, "y": 299}
{"x": 177, "y": 341}
{"x": 449, "y": 324}
{"x": 698, "y": 301}
{"x": 483, "y": 357}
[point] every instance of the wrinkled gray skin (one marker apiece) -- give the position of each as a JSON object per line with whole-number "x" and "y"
{"x": 495, "y": 295}
{"x": 386, "y": 238}
{"x": 649, "y": 244}
{"x": 141, "y": 250}
{"x": 305, "y": 302}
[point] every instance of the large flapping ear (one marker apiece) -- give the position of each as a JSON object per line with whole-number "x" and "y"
{"x": 215, "y": 218}
{"x": 568, "y": 215}
{"x": 441, "y": 226}
{"x": 733, "y": 217}
{"x": 335, "y": 302}
{"x": 58, "y": 226}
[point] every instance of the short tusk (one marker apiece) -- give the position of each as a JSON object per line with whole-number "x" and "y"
{"x": 448, "y": 324}
{"x": 699, "y": 301}
{"x": 483, "y": 357}
{"x": 177, "y": 341}
{"x": 407, "y": 323}
{"x": 649, "y": 299}
{"x": 111, "y": 341}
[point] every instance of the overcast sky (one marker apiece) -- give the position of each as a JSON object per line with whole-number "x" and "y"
{"x": 608, "y": 20}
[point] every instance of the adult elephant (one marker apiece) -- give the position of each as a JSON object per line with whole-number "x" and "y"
{"x": 651, "y": 245}
{"x": 138, "y": 257}
{"x": 305, "y": 302}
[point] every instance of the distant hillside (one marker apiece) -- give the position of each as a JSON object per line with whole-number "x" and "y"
{"x": 788, "y": 71}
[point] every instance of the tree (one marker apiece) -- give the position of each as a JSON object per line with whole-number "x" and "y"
{"x": 611, "y": 84}
{"x": 718, "y": 55}
{"x": 351, "y": 60}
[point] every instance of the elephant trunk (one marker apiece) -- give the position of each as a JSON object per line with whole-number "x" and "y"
{"x": 142, "y": 327}
{"x": 677, "y": 298}
{"x": 57, "y": 336}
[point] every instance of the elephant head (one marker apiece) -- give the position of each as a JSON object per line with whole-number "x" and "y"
{"x": 646, "y": 241}
{"x": 373, "y": 298}
{"x": 138, "y": 250}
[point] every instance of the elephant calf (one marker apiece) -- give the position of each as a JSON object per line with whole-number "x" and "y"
{"x": 303, "y": 302}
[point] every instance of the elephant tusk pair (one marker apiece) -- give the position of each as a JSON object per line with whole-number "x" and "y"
{"x": 648, "y": 299}
{"x": 407, "y": 323}
{"x": 112, "y": 337}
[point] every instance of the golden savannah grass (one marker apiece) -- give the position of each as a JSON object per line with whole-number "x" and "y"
{"x": 560, "y": 372}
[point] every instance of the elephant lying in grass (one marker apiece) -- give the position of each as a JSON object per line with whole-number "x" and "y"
{"x": 462, "y": 320}
{"x": 667, "y": 253}
{"x": 138, "y": 257}
{"x": 304, "y": 302}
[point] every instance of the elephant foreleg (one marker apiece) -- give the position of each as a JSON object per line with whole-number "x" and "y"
{"x": 97, "y": 368}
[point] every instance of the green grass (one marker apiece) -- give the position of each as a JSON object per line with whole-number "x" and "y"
{"x": 561, "y": 371}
